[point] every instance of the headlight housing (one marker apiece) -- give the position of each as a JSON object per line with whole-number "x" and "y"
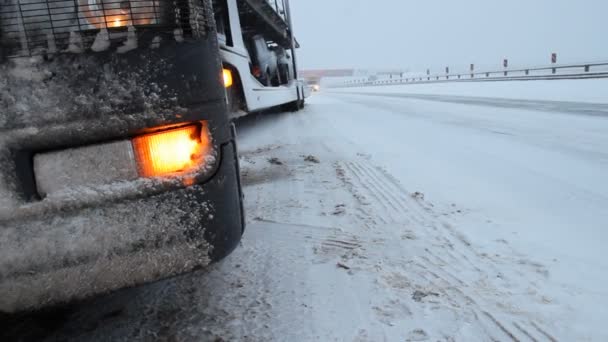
{"x": 171, "y": 151}
{"x": 183, "y": 153}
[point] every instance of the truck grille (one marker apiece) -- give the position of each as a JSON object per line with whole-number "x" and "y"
{"x": 37, "y": 27}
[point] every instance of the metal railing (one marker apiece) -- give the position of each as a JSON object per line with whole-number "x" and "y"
{"x": 552, "y": 72}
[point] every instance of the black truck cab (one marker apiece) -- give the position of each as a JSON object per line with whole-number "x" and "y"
{"x": 118, "y": 161}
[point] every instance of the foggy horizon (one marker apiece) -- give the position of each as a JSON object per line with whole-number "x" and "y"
{"x": 433, "y": 34}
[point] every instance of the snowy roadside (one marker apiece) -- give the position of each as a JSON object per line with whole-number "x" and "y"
{"x": 580, "y": 91}
{"x": 375, "y": 219}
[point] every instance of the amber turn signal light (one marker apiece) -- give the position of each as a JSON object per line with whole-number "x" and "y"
{"x": 227, "y": 78}
{"x": 171, "y": 151}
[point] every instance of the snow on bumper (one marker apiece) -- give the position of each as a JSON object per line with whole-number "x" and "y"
{"x": 124, "y": 243}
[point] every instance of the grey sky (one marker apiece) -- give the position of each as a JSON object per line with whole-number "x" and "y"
{"x": 435, "y": 33}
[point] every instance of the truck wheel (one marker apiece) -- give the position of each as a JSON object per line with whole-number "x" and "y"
{"x": 294, "y": 106}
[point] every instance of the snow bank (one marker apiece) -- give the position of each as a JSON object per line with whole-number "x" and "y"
{"x": 584, "y": 90}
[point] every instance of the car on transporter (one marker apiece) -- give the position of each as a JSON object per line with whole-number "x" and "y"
{"x": 118, "y": 158}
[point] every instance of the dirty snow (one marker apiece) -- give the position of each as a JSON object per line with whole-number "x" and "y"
{"x": 102, "y": 41}
{"x": 75, "y": 43}
{"x": 164, "y": 241}
{"x": 33, "y": 92}
{"x": 130, "y": 43}
{"x": 155, "y": 42}
{"x": 178, "y": 34}
{"x": 420, "y": 221}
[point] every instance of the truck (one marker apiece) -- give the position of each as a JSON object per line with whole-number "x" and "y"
{"x": 118, "y": 156}
{"x": 258, "y": 50}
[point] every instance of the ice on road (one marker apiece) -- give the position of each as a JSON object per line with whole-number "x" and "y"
{"x": 379, "y": 218}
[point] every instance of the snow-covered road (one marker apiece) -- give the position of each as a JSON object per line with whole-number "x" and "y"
{"x": 392, "y": 219}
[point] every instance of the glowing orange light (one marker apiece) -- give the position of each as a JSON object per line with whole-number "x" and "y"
{"x": 118, "y": 22}
{"x": 227, "y": 78}
{"x": 168, "y": 152}
{"x": 104, "y": 13}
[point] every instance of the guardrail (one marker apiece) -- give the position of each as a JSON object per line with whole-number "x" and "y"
{"x": 553, "y": 72}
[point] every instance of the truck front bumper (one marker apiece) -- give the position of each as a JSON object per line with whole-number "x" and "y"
{"x": 77, "y": 254}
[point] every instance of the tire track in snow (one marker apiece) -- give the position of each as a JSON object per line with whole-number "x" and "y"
{"x": 396, "y": 203}
{"x": 441, "y": 253}
{"x": 409, "y": 205}
{"x": 361, "y": 199}
{"x": 525, "y": 332}
{"x": 464, "y": 301}
{"x": 461, "y": 290}
{"x": 375, "y": 194}
{"x": 426, "y": 217}
{"x": 401, "y": 211}
{"x": 423, "y": 269}
{"x": 543, "y": 332}
{"x": 397, "y": 195}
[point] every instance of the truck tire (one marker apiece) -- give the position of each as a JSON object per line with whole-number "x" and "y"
{"x": 294, "y": 106}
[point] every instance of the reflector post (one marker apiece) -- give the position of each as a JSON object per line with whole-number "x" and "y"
{"x": 227, "y": 78}
{"x": 172, "y": 151}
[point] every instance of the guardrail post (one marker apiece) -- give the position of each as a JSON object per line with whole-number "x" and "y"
{"x": 527, "y": 72}
{"x": 487, "y": 74}
{"x": 586, "y": 68}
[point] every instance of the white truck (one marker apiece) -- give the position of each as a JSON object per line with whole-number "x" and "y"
{"x": 257, "y": 47}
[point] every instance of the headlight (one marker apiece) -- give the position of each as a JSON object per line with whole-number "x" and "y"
{"x": 169, "y": 153}
{"x": 177, "y": 150}
{"x": 228, "y": 80}
{"x": 119, "y": 13}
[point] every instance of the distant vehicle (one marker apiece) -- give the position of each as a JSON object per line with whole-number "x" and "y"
{"x": 316, "y": 87}
{"x": 118, "y": 162}
{"x": 258, "y": 47}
